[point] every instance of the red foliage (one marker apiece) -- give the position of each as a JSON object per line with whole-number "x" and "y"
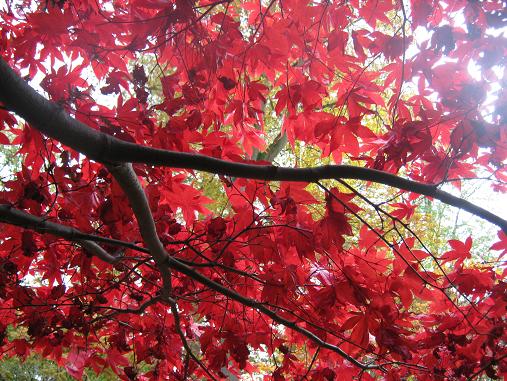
{"x": 311, "y": 278}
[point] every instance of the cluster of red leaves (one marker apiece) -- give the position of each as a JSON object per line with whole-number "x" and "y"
{"x": 327, "y": 70}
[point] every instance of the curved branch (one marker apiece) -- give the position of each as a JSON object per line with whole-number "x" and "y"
{"x": 129, "y": 183}
{"x": 53, "y": 121}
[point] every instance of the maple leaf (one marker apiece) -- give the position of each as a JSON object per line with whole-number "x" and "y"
{"x": 460, "y": 251}
{"x": 115, "y": 359}
{"x": 216, "y": 228}
{"x": 403, "y": 210}
{"x": 501, "y": 245}
{"x": 359, "y": 326}
{"x": 77, "y": 360}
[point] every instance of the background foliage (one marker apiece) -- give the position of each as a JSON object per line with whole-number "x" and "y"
{"x": 210, "y": 189}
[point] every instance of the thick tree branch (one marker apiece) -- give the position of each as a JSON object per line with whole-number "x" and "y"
{"x": 17, "y": 217}
{"x": 127, "y": 178}
{"x": 53, "y": 121}
{"x": 99, "y": 252}
{"x": 13, "y": 216}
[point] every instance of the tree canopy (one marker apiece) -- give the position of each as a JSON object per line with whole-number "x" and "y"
{"x": 212, "y": 189}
